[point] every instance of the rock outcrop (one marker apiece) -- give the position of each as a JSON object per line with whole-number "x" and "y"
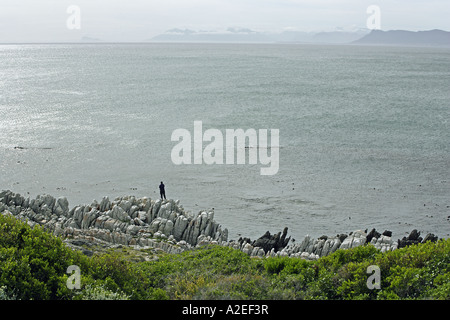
{"x": 165, "y": 225}
{"x": 415, "y": 238}
{"x": 125, "y": 220}
{"x": 276, "y": 242}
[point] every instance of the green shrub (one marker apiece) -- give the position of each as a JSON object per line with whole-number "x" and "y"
{"x": 353, "y": 281}
{"x": 33, "y": 265}
{"x": 33, "y": 262}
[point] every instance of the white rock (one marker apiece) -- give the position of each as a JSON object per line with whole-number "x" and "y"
{"x": 142, "y": 215}
{"x": 203, "y": 220}
{"x": 134, "y": 211}
{"x": 248, "y": 248}
{"x": 180, "y": 226}
{"x": 358, "y": 242}
{"x": 304, "y": 255}
{"x": 89, "y": 218}
{"x": 105, "y": 204}
{"x": 62, "y": 206}
{"x": 168, "y": 227}
{"x": 125, "y": 205}
{"x": 347, "y": 243}
{"x": 132, "y": 229}
{"x": 119, "y": 213}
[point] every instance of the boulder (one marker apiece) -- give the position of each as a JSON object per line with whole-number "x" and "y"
{"x": 125, "y": 205}
{"x": 387, "y": 233}
{"x": 145, "y": 204}
{"x": 133, "y": 229}
{"x": 105, "y": 204}
{"x": 134, "y": 210}
{"x": 342, "y": 237}
{"x": 304, "y": 244}
{"x": 61, "y": 206}
{"x": 119, "y": 213}
{"x": 78, "y": 216}
{"x": 203, "y": 221}
{"x": 372, "y": 234}
{"x": 357, "y": 238}
{"x": 168, "y": 227}
{"x": 327, "y": 247}
{"x": 100, "y": 221}
{"x": 318, "y": 246}
{"x": 414, "y": 235}
{"x": 142, "y": 215}
{"x": 89, "y": 218}
{"x": 430, "y": 237}
{"x": 138, "y": 222}
{"x": 180, "y": 226}
{"x": 276, "y": 242}
{"x": 154, "y": 226}
{"x": 155, "y": 208}
{"x": 336, "y": 245}
{"x": 413, "y": 238}
{"x": 248, "y": 248}
{"x": 196, "y": 231}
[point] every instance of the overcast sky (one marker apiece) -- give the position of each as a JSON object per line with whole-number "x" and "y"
{"x": 138, "y": 20}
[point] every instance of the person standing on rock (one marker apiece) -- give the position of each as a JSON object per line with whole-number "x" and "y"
{"x": 162, "y": 191}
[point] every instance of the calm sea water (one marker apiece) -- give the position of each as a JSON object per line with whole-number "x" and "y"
{"x": 364, "y": 131}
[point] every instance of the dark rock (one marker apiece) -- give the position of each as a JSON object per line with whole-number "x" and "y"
{"x": 430, "y": 237}
{"x": 283, "y": 241}
{"x": 387, "y": 233}
{"x": 243, "y": 241}
{"x": 413, "y": 238}
{"x": 372, "y": 234}
{"x": 402, "y": 243}
{"x": 414, "y": 235}
{"x": 265, "y": 242}
{"x": 268, "y": 242}
{"x": 342, "y": 237}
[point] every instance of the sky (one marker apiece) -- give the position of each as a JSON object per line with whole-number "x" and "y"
{"x": 140, "y": 20}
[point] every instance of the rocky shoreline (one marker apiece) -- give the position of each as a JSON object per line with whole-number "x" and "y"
{"x": 143, "y": 223}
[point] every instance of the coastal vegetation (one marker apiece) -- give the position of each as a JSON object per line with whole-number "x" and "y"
{"x": 33, "y": 265}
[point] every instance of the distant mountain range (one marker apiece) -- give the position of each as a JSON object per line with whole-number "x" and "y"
{"x": 358, "y": 36}
{"x": 407, "y": 38}
{"x": 248, "y": 35}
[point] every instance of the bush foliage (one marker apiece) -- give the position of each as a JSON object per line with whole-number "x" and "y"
{"x": 33, "y": 265}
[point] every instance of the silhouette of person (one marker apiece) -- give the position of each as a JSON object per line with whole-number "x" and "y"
{"x": 162, "y": 191}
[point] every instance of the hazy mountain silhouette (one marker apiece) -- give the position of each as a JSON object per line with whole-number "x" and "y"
{"x": 229, "y": 35}
{"x": 248, "y": 35}
{"x": 359, "y": 36}
{"x": 406, "y": 38}
{"x": 337, "y": 37}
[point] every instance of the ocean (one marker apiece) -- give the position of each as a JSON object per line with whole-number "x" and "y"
{"x": 364, "y": 131}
